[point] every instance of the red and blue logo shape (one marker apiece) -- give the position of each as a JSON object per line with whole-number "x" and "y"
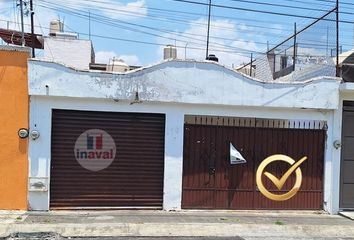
{"x": 95, "y": 150}
{"x": 96, "y": 141}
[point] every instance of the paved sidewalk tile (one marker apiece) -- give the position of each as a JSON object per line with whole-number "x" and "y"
{"x": 151, "y": 225}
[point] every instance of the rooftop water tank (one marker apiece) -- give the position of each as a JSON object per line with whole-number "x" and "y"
{"x": 55, "y": 26}
{"x": 117, "y": 65}
{"x": 169, "y": 52}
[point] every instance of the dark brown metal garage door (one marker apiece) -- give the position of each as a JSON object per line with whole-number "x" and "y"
{"x": 211, "y": 182}
{"x": 134, "y": 178}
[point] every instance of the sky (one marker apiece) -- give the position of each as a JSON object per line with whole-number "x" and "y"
{"x": 137, "y": 30}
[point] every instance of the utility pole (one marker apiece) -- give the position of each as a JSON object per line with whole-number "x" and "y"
{"x": 337, "y": 28}
{"x": 185, "y": 51}
{"x": 32, "y": 29}
{"x": 353, "y": 35}
{"x": 22, "y": 25}
{"x": 251, "y": 64}
{"x": 295, "y": 43}
{"x": 327, "y": 48}
{"x": 208, "y": 35}
{"x": 89, "y": 24}
{"x": 267, "y": 46}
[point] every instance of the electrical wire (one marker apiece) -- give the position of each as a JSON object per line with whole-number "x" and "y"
{"x": 231, "y": 29}
{"x": 41, "y": 28}
{"x": 182, "y": 35}
{"x": 148, "y": 43}
{"x": 169, "y": 39}
{"x": 201, "y": 24}
{"x": 291, "y": 7}
{"x": 152, "y": 34}
{"x": 198, "y": 23}
{"x": 190, "y": 13}
{"x": 167, "y": 31}
{"x": 258, "y": 11}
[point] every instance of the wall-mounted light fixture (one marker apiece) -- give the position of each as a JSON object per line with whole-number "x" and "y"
{"x": 23, "y": 133}
{"x": 35, "y": 134}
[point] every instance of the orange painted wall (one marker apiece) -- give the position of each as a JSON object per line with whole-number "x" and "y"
{"x": 14, "y": 102}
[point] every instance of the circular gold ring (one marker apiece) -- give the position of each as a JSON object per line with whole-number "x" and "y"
{"x": 264, "y": 191}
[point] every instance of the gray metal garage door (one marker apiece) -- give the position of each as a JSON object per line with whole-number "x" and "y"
{"x": 347, "y": 161}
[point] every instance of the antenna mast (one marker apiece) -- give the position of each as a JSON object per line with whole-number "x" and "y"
{"x": 22, "y": 25}
{"x": 32, "y": 29}
{"x": 208, "y": 35}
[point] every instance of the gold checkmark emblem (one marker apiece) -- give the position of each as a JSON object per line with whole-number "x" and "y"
{"x": 279, "y": 183}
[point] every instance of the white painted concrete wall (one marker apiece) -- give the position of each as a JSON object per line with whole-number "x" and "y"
{"x": 40, "y": 155}
{"x": 75, "y": 53}
{"x": 182, "y": 82}
{"x": 175, "y": 89}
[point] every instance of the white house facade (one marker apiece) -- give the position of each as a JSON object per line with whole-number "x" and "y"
{"x": 167, "y": 131}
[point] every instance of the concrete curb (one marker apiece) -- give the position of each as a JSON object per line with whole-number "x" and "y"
{"x": 181, "y": 229}
{"x": 349, "y": 215}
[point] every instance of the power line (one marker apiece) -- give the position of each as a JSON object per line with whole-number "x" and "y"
{"x": 190, "y": 13}
{"x": 135, "y": 29}
{"x": 169, "y": 11}
{"x": 182, "y": 35}
{"x": 189, "y": 34}
{"x": 146, "y": 42}
{"x": 309, "y": 3}
{"x": 110, "y": 23}
{"x": 328, "y": 1}
{"x": 197, "y": 23}
{"x": 41, "y": 28}
{"x": 280, "y": 5}
{"x": 292, "y": 1}
{"x": 178, "y": 46}
{"x": 231, "y": 29}
{"x": 288, "y": 6}
{"x": 258, "y": 11}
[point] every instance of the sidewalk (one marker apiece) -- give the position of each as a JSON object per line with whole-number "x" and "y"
{"x": 244, "y": 224}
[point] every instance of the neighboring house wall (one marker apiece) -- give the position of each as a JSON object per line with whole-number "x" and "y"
{"x": 72, "y": 52}
{"x": 14, "y": 115}
{"x": 346, "y": 94}
{"x": 264, "y": 68}
{"x": 175, "y": 89}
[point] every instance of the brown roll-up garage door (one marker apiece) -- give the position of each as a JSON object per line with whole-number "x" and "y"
{"x": 134, "y": 179}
